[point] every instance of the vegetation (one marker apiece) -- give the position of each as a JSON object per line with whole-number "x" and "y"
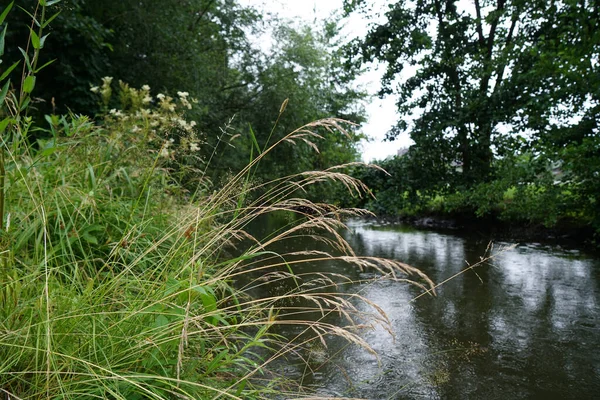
{"x": 127, "y": 264}
{"x": 202, "y": 46}
{"x": 505, "y": 95}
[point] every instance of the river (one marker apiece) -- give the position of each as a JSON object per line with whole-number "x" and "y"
{"x": 525, "y": 325}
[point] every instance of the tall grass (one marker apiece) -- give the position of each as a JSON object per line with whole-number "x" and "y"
{"x": 114, "y": 286}
{"x": 117, "y": 281}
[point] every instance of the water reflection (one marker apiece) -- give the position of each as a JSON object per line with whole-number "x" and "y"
{"x": 525, "y": 326}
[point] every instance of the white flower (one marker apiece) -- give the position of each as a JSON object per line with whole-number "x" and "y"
{"x": 183, "y": 94}
{"x": 135, "y": 129}
{"x": 94, "y": 89}
{"x": 193, "y": 124}
{"x": 146, "y": 88}
{"x": 147, "y": 99}
{"x": 115, "y": 112}
{"x": 186, "y": 103}
{"x": 107, "y": 80}
{"x": 164, "y": 152}
{"x": 160, "y": 96}
{"x": 194, "y": 146}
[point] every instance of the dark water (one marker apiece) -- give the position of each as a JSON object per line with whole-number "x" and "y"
{"x": 526, "y": 326}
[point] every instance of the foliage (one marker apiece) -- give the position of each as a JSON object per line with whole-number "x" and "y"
{"x": 491, "y": 76}
{"x": 119, "y": 281}
{"x": 205, "y": 46}
{"x": 300, "y": 83}
{"x": 505, "y": 95}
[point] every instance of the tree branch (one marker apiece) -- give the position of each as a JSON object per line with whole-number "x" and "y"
{"x": 479, "y": 25}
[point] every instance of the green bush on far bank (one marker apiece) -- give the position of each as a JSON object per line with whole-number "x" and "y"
{"x": 523, "y": 192}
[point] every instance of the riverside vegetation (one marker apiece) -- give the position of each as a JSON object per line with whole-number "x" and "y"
{"x": 503, "y": 104}
{"x": 119, "y": 255}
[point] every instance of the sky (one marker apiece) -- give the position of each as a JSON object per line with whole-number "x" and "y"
{"x": 381, "y": 113}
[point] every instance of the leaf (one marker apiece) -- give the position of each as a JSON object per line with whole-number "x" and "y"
{"x": 52, "y": 2}
{"x": 172, "y": 286}
{"x": 208, "y": 298}
{"x": 216, "y": 362}
{"x": 26, "y": 57}
{"x": 2, "y": 41}
{"x": 30, "y": 16}
{"x": 89, "y": 238}
{"x": 43, "y": 40}
{"x": 29, "y": 84}
{"x": 47, "y": 22}
{"x": 9, "y": 70}
{"x": 161, "y": 321}
{"x": 5, "y": 12}
{"x": 48, "y": 152}
{"x": 25, "y": 103}
{"x": 4, "y": 123}
{"x": 35, "y": 39}
{"x": 3, "y": 92}
{"x": 254, "y": 141}
{"x": 44, "y": 66}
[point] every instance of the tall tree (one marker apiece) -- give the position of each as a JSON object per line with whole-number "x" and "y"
{"x": 490, "y": 74}
{"x": 198, "y": 46}
{"x": 305, "y": 71}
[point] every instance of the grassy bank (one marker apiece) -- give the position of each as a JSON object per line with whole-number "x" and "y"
{"x": 119, "y": 258}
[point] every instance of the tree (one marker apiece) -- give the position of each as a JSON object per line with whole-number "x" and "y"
{"x": 203, "y": 47}
{"x": 195, "y": 45}
{"x": 491, "y": 75}
{"x": 305, "y": 71}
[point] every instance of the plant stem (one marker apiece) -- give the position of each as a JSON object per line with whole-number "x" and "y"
{"x": 2, "y": 184}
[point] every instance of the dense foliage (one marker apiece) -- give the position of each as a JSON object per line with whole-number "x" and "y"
{"x": 506, "y": 98}
{"x": 126, "y": 272}
{"x": 210, "y": 48}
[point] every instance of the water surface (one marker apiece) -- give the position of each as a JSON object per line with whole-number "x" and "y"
{"x": 525, "y": 326}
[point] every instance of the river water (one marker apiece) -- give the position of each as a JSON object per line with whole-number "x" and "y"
{"x": 526, "y": 325}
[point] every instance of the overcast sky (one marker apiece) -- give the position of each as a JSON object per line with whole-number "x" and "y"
{"x": 381, "y": 113}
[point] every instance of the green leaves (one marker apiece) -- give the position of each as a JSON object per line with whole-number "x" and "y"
{"x": 9, "y": 70}
{"x": 5, "y": 12}
{"x": 26, "y": 58}
{"x": 3, "y": 33}
{"x": 4, "y": 123}
{"x": 49, "y": 20}
{"x": 35, "y": 39}
{"x": 3, "y": 92}
{"x": 29, "y": 84}
{"x": 48, "y": 3}
{"x": 45, "y": 65}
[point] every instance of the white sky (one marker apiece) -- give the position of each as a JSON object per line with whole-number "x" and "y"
{"x": 381, "y": 113}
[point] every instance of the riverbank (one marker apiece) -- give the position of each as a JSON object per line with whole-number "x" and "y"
{"x": 565, "y": 233}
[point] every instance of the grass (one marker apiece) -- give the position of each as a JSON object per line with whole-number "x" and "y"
{"x": 118, "y": 282}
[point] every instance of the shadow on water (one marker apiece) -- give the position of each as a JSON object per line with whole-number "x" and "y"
{"x": 525, "y": 326}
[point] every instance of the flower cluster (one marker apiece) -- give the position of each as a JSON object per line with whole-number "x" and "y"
{"x": 159, "y": 120}
{"x": 104, "y": 90}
